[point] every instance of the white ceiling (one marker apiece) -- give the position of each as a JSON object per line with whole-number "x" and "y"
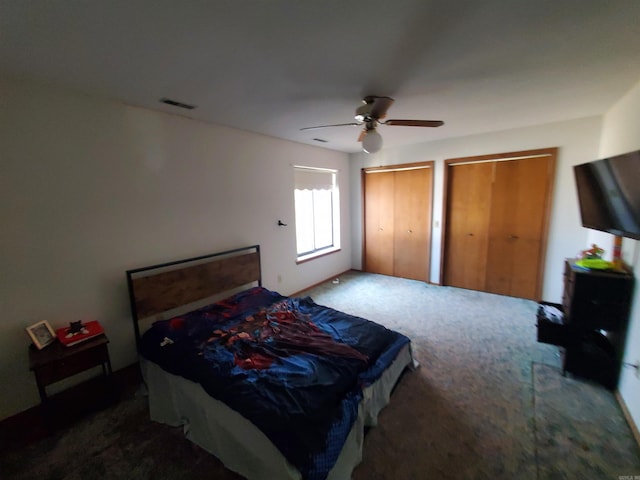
{"x": 274, "y": 66}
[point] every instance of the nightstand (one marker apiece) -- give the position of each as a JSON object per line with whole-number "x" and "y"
{"x": 57, "y": 362}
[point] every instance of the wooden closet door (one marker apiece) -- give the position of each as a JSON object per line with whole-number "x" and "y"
{"x": 517, "y": 225}
{"x": 467, "y": 224}
{"x": 412, "y": 221}
{"x": 379, "y": 212}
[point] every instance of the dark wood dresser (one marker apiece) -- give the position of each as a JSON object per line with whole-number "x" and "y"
{"x": 595, "y": 307}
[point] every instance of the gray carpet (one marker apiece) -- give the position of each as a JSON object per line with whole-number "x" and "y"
{"x": 488, "y": 402}
{"x": 576, "y": 437}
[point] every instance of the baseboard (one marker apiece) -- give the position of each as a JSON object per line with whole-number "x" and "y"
{"x": 300, "y": 292}
{"x": 627, "y": 415}
{"x": 67, "y": 407}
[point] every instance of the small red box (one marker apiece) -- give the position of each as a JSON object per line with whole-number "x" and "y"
{"x": 89, "y": 330}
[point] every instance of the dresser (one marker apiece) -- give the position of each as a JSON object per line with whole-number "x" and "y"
{"x": 595, "y": 312}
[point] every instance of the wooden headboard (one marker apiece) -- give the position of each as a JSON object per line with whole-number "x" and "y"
{"x": 159, "y": 288}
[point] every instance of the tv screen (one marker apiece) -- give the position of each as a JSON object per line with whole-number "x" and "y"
{"x": 609, "y": 194}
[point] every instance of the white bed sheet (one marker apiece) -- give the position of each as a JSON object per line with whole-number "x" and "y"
{"x": 240, "y": 445}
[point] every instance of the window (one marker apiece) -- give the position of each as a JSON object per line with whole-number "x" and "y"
{"x": 317, "y": 211}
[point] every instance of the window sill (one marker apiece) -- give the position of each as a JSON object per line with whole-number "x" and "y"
{"x": 314, "y": 255}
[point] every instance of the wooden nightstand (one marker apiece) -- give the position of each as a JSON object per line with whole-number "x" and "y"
{"x": 57, "y": 362}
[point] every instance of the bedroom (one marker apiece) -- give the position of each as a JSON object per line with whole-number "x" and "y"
{"x": 92, "y": 187}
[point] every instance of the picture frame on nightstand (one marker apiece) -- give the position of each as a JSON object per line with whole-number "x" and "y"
{"x": 41, "y": 334}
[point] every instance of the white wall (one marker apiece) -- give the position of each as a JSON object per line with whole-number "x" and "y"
{"x": 91, "y": 188}
{"x": 578, "y": 142}
{"x": 620, "y": 135}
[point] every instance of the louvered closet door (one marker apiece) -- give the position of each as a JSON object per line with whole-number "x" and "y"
{"x": 412, "y": 220}
{"x": 517, "y": 225}
{"x": 467, "y": 227}
{"x": 379, "y": 229}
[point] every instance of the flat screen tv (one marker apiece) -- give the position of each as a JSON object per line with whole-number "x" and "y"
{"x": 609, "y": 194}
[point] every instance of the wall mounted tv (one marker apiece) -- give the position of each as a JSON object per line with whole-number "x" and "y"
{"x": 609, "y": 194}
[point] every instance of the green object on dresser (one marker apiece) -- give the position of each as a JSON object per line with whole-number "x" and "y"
{"x": 595, "y": 263}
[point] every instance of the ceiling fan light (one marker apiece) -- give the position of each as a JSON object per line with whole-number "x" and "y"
{"x": 372, "y": 141}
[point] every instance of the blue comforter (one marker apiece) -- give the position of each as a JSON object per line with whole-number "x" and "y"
{"x": 294, "y": 368}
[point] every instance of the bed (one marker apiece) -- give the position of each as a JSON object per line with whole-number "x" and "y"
{"x": 273, "y": 386}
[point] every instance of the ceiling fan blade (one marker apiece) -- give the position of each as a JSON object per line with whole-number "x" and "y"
{"x": 414, "y": 123}
{"x": 352, "y": 124}
{"x": 362, "y": 134}
{"x": 380, "y": 106}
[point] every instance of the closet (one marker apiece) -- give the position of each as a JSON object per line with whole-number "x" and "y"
{"x": 397, "y": 220}
{"x": 496, "y": 222}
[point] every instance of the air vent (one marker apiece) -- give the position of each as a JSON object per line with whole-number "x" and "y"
{"x": 321, "y": 140}
{"x": 175, "y": 103}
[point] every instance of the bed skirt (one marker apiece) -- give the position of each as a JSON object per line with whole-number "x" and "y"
{"x": 242, "y": 447}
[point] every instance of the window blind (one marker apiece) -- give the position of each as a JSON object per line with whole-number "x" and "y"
{"x": 312, "y": 179}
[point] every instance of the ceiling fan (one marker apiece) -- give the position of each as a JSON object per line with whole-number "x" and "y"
{"x": 371, "y": 114}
